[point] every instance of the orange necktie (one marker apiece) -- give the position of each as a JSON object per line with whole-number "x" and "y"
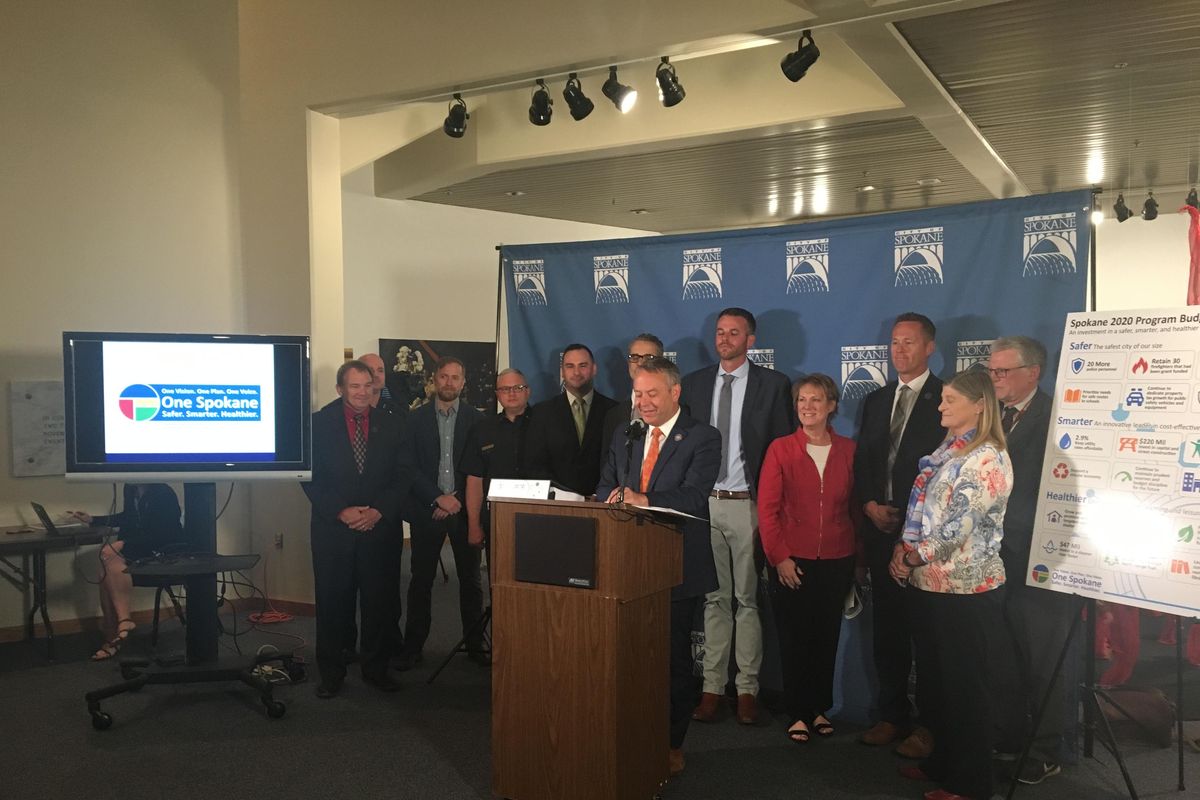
{"x": 651, "y": 458}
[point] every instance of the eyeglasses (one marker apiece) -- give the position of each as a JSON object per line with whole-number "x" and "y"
{"x": 638, "y": 358}
{"x": 520, "y": 387}
{"x": 1003, "y": 371}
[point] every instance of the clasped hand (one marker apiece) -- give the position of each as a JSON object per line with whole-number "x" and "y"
{"x": 359, "y": 518}
{"x": 632, "y": 498}
{"x": 899, "y": 571}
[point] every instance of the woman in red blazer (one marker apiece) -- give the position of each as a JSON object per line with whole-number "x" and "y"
{"x": 808, "y": 534}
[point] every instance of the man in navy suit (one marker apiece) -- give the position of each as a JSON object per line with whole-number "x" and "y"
{"x": 358, "y": 485}
{"x": 900, "y": 424}
{"x": 750, "y": 406}
{"x": 434, "y": 444}
{"x": 674, "y": 466}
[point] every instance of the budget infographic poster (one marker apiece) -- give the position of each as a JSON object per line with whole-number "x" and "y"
{"x": 1119, "y": 512}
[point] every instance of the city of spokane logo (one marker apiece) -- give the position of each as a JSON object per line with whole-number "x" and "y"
{"x": 919, "y": 256}
{"x": 139, "y": 402}
{"x": 1049, "y": 245}
{"x": 702, "y": 274}
{"x": 763, "y": 358}
{"x": 973, "y": 353}
{"x": 529, "y": 282}
{"x": 611, "y": 278}
{"x": 864, "y": 369}
{"x": 808, "y": 266}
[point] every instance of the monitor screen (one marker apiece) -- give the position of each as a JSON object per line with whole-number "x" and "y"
{"x": 186, "y": 406}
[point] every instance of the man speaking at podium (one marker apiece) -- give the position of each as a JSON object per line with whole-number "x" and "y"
{"x": 671, "y": 462}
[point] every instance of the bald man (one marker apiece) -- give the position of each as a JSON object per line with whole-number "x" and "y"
{"x": 382, "y": 398}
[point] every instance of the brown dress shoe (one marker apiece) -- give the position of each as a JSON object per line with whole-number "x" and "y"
{"x": 881, "y": 733}
{"x": 675, "y": 762}
{"x": 747, "y": 709}
{"x": 919, "y": 744}
{"x": 707, "y": 710}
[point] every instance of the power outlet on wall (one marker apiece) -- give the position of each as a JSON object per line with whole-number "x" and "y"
{"x": 279, "y": 541}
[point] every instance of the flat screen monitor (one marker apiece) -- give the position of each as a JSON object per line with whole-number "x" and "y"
{"x": 186, "y": 407}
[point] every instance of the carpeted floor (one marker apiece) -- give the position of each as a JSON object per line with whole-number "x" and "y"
{"x": 214, "y": 741}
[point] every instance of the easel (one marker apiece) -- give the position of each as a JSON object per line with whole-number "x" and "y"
{"x": 1092, "y": 695}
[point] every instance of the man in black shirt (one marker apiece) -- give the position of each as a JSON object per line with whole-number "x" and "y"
{"x": 496, "y": 449}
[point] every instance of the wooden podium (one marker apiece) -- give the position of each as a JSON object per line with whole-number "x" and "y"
{"x": 580, "y": 675}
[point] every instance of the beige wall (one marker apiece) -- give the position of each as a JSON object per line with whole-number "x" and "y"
{"x": 118, "y": 210}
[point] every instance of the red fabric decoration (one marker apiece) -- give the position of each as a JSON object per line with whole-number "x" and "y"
{"x": 1193, "y": 296}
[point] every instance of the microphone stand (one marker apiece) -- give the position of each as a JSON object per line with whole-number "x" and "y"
{"x": 635, "y": 431}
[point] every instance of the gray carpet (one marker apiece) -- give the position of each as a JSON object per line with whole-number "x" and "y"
{"x": 214, "y": 741}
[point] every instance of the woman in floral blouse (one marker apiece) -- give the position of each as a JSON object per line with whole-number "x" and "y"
{"x": 949, "y": 556}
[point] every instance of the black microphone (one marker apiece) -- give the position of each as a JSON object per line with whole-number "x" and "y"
{"x": 634, "y": 431}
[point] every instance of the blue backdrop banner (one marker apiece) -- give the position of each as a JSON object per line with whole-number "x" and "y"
{"x": 824, "y": 293}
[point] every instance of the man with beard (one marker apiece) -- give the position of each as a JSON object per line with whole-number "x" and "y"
{"x": 750, "y": 406}
{"x": 433, "y": 445}
{"x": 565, "y": 433}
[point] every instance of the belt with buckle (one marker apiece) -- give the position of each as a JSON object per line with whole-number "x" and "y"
{"x": 724, "y": 494}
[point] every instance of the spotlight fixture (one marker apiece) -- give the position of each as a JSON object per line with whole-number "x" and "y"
{"x": 622, "y": 96}
{"x": 540, "y": 108}
{"x": 1122, "y": 211}
{"x": 795, "y": 65}
{"x": 576, "y": 100}
{"x": 1150, "y": 207}
{"x": 456, "y": 119}
{"x": 670, "y": 90}
{"x": 1193, "y": 200}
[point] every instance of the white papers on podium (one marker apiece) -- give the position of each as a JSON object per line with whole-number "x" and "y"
{"x": 518, "y": 489}
{"x": 660, "y": 510}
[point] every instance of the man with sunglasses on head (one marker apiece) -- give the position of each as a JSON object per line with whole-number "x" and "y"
{"x": 496, "y": 449}
{"x": 644, "y": 346}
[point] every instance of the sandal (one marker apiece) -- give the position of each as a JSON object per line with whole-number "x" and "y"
{"x": 823, "y": 726}
{"x": 798, "y": 735}
{"x": 113, "y": 645}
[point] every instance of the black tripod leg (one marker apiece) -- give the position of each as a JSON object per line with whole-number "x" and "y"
{"x": 1096, "y": 694}
{"x": 1040, "y": 710}
{"x": 479, "y": 626}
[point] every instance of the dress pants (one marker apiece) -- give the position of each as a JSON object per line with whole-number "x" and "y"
{"x": 1024, "y": 653}
{"x": 683, "y": 677}
{"x": 426, "y": 544}
{"x": 342, "y": 561}
{"x": 732, "y": 527}
{"x": 952, "y": 648}
{"x": 809, "y": 623}
{"x": 891, "y": 633}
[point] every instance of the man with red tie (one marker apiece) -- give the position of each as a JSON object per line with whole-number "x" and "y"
{"x": 358, "y": 483}
{"x": 674, "y": 465}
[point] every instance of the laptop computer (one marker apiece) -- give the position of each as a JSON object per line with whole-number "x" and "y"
{"x": 51, "y": 528}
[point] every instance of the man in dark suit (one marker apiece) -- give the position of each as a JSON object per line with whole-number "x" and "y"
{"x": 1036, "y": 621}
{"x": 357, "y": 489}
{"x": 673, "y": 466}
{"x": 643, "y": 346}
{"x": 382, "y": 398}
{"x": 750, "y": 406}
{"x": 565, "y": 433}
{"x": 900, "y": 424}
{"x": 435, "y": 440}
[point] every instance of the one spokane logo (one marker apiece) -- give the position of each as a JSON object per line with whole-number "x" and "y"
{"x": 139, "y": 402}
{"x": 702, "y": 273}
{"x": 864, "y": 369}
{"x": 1049, "y": 245}
{"x": 529, "y": 282}
{"x": 1041, "y": 574}
{"x": 611, "y": 278}
{"x": 973, "y": 354}
{"x": 919, "y": 256}
{"x": 808, "y": 266}
{"x": 763, "y": 358}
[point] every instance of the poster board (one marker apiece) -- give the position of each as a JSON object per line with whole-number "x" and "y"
{"x": 1119, "y": 506}
{"x": 38, "y": 428}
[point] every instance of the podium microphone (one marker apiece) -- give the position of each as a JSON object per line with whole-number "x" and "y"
{"x": 633, "y": 432}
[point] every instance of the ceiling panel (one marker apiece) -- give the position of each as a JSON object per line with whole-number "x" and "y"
{"x": 731, "y": 184}
{"x": 1040, "y": 80}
